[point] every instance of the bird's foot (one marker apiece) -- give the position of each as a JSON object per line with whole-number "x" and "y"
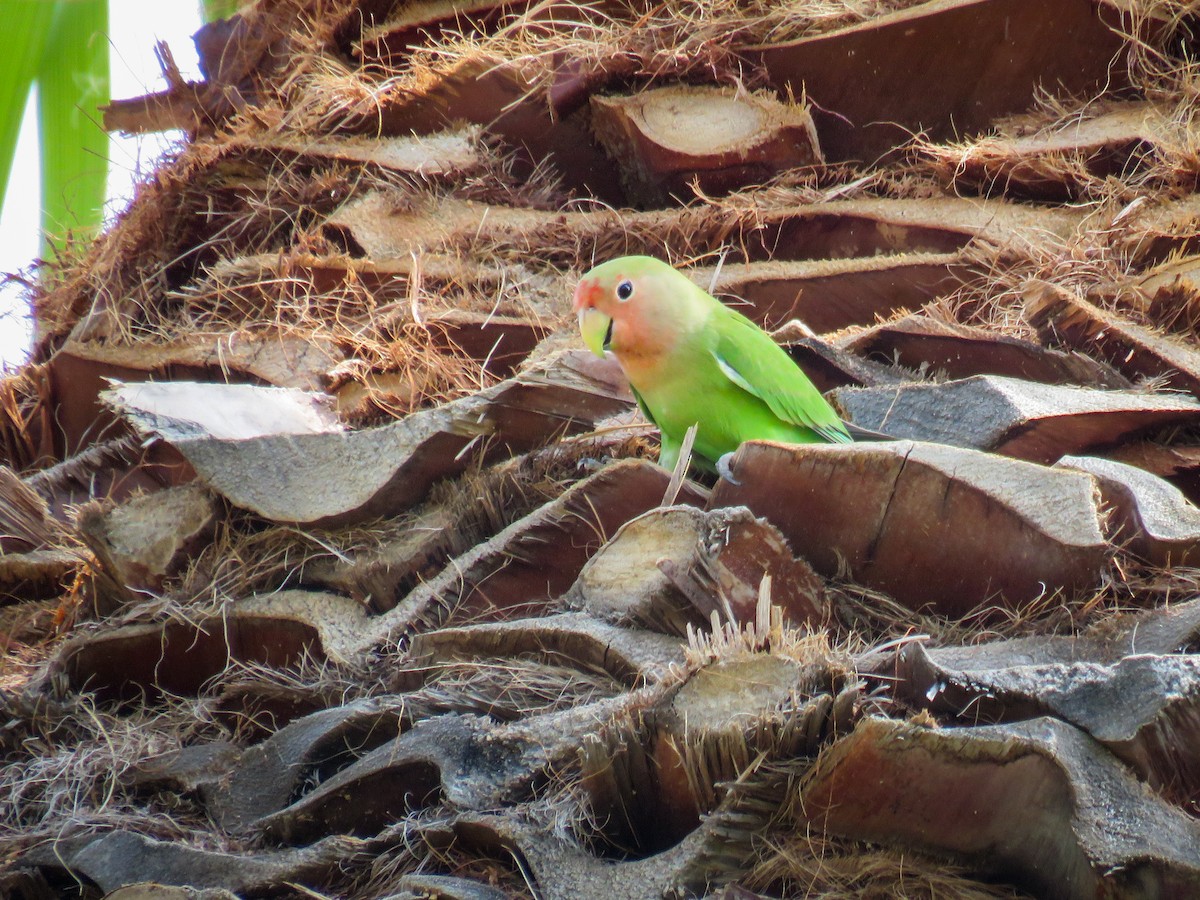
{"x": 723, "y": 468}
{"x": 590, "y": 464}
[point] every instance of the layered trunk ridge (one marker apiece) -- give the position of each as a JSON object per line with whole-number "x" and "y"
{"x": 332, "y": 564}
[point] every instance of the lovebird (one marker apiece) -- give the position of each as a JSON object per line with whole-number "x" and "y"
{"x": 691, "y": 360}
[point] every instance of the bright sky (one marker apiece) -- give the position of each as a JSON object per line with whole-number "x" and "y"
{"x": 135, "y": 26}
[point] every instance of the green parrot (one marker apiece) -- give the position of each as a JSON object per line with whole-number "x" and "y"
{"x": 691, "y": 360}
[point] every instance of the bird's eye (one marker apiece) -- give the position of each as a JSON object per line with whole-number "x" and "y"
{"x": 625, "y": 290}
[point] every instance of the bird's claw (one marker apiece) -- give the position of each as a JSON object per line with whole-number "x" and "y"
{"x": 590, "y": 464}
{"x": 723, "y": 468}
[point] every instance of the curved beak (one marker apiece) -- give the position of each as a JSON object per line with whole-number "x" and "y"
{"x": 596, "y": 329}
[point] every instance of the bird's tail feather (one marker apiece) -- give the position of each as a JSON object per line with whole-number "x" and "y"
{"x": 866, "y": 434}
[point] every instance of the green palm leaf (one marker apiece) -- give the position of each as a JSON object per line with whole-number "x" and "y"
{"x": 32, "y": 23}
{"x": 212, "y": 10}
{"x": 60, "y": 45}
{"x": 73, "y": 81}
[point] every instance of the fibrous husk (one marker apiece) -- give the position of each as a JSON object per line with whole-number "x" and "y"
{"x": 829, "y": 366}
{"x": 534, "y": 560}
{"x": 674, "y": 567}
{"x": 120, "y": 858}
{"x": 732, "y": 710}
{"x": 467, "y": 761}
{"x": 425, "y": 156}
{"x": 504, "y": 95}
{"x": 37, "y": 574}
{"x": 1038, "y": 803}
{"x": 153, "y": 891}
{"x": 1172, "y": 295}
{"x": 1059, "y": 161}
{"x": 1135, "y": 351}
{"x": 934, "y": 526}
{"x": 1143, "y": 708}
{"x": 959, "y": 351}
{"x": 39, "y": 556}
{"x": 576, "y": 639}
{"x": 1022, "y": 419}
{"x": 278, "y": 360}
{"x": 278, "y": 630}
{"x": 1177, "y": 463}
{"x": 306, "y": 469}
{"x": 827, "y": 295}
{"x": 1158, "y": 231}
{"x": 264, "y": 778}
{"x": 1150, "y": 517}
{"x": 666, "y": 139}
{"x": 395, "y": 34}
{"x": 148, "y": 539}
{"x": 25, "y": 520}
{"x": 951, "y": 67}
{"x": 377, "y": 226}
{"x": 749, "y": 694}
{"x": 179, "y": 411}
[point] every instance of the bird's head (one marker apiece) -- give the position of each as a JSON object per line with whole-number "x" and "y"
{"x": 623, "y": 304}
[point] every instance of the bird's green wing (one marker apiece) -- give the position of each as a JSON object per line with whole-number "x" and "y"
{"x": 642, "y": 406}
{"x": 670, "y": 444}
{"x": 755, "y": 363}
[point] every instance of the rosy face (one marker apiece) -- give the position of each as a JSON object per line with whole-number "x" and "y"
{"x": 626, "y": 305}
{"x": 598, "y": 301}
{"x": 603, "y": 291}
